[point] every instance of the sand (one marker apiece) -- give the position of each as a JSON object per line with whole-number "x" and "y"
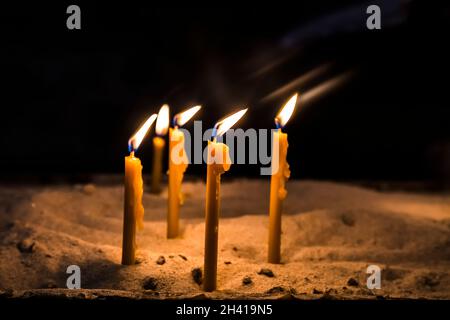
{"x": 331, "y": 233}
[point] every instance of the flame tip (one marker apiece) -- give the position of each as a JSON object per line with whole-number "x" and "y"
{"x": 135, "y": 141}
{"x": 286, "y": 111}
{"x": 223, "y": 125}
{"x": 162, "y": 123}
{"x": 183, "y": 117}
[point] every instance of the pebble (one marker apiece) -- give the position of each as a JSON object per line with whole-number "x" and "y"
{"x": 182, "y": 257}
{"x": 276, "y": 289}
{"x": 138, "y": 260}
{"x": 51, "y": 284}
{"x": 7, "y": 293}
{"x": 26, "y": 246}
{"x": 352, "y": 282}
{"x": 161, "y": 260}
{"x": 150, "y": 283}
{"x": 315, "y": 291}
{"x": 247, "y": 281}
{"x": 227, "y": 262}
{"x": 348, "y": 219}
{"x": 89, "y": 189}
{"x": 197, "y": 275}
{"x": 428, "y": 281}
{"x": 267, "y": 272}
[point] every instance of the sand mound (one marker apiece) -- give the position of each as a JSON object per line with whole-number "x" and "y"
{"x": 331, "y": 232}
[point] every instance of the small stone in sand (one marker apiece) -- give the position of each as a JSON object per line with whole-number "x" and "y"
{"x": 315, "y": 291}
{"x": 247, "y": 281}
{"x": 348, "y": 219}
{"x": 352, "y": 282}
{"x": 267, "y": 272}
{"x": 161, "y": 260}
{"x": 7, "y": 293}
{"x": 182, "y": 257}
{"x": 227, "y": 262}
{"x": 427, "y": 281}
{"x": 89, "y": 189}
{"x": 51, "y": 284}
{"x": 197, "y": 275}
{"x": 138, "y": 260}
{"x": 171, "y": 257}
{"x": 276, "y": 289}
{"x": 26, "y": 246}
{"x": 150, "y": 283}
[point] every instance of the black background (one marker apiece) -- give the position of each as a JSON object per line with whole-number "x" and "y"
{"x": 70, "y": 99}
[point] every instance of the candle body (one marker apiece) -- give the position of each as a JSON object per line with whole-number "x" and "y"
{"x": 178, "y": 163}
{"x": 218, "y": 162}
{"x": 133, "y": 209}
{"x": 278, "y": 193}
{"x": 158, "y": 148}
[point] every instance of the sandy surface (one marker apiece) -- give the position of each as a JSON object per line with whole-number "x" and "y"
{"x": 331, "y": 233}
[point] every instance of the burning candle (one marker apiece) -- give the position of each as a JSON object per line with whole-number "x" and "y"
{"x": 133, "y": 217}
{"x": 217, "y": 163}
{"x": 162, "y": 125}
{"x": 280, "y": 173}
{"x": 178, "y": 163}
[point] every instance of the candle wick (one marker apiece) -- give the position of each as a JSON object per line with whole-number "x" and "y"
{"x": 277, "y": 123}
{"x": 132, "y": 154}
{"x": 174, "y": 121}
{"x": 214, "y": 134}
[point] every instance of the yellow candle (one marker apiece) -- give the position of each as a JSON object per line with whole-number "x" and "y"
{"x": 133, "y": 209}
{"x": 162, "y": 125}
{"x": 217, "y": 163}
{"x": 158, "y": 148}
{"x": 178, "y": 163}
{"x": 280, "y": 173}
{"x": 176, "y": 172}
{"x": 277, "y": 195}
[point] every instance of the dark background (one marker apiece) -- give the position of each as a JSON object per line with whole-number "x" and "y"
{"x": 70, "y": 99}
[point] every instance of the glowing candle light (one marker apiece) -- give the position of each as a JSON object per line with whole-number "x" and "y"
{"x": 162, "y": 125}
{"x": 218, "y": 162}
{"x": 133, "y": 209}
{"x": 178, "y": 163}
{"x": 280, "y": 173}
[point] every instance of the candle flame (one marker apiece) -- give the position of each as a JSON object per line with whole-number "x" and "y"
{"x": 286, "y": 112}
{"x": 136, "y": 139}
{"x": 183, "y": 117}
{"x": 223, "y": 125}
{"x": 162, "y": 123}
